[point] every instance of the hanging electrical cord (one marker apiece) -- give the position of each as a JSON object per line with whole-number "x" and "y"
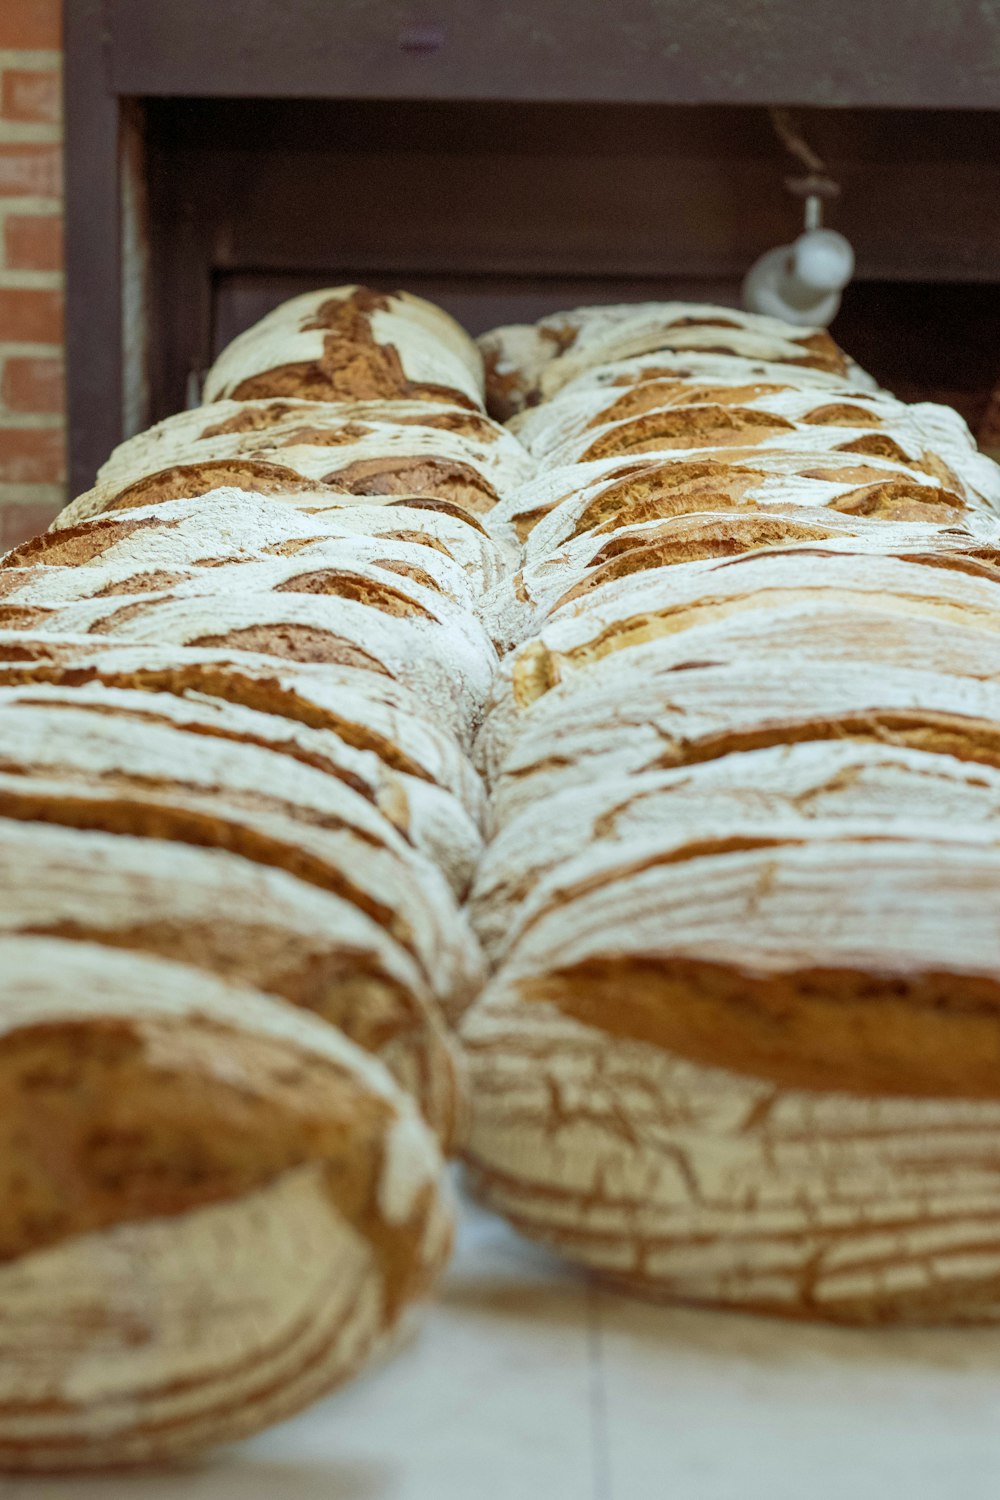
{"x": 802, "y": 283}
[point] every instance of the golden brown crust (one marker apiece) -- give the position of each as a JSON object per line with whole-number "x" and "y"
{"x": 439, "y": 478}
{"x": 95, "y": 1133}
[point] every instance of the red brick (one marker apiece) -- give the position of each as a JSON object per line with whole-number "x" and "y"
{"x": 30, "y": 23}
{"x": 34, "y": 242}
{"x": 30, "y": 95}
{"x": 28, "y": 170}
{"x": 33, "y": 383}
{"x": 20, "y": 522}
{"x": 32, "y": 455}
{"x": 31, "y": 315}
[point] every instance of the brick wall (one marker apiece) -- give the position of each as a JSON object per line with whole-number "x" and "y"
{"x": 32, "y": 459}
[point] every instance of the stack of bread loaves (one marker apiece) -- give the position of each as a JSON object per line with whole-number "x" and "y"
{"x": 238, "y": 682}
{"x": 742, "y": 1045}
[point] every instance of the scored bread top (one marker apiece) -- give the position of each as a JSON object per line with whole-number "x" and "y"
{"x": 310, "y": 449}
{"x": 350, "y": 342}
{"x": 245, "y": 922}
{"x": 607, "y": 493}
{"x": 367, "y": 710}
{"x": 526, "y": 364}
{"x": 588, "y": 562}
{"x": 656, "y": 710}
{"x": 931, "y": 439}
{"x": 629, "y": 611}
{"x": 429, "y": 818}
{"x": 449, "y": 664}
{"x": 839, "y": 955}
{"x": 230, "y": 525}
{"x": 121, "y": 1054}
{"x": 844, "y": 780}
{"x": 693, "y": 368}
{"x": 395, "y": 577}
{"x": 113, "y": 760}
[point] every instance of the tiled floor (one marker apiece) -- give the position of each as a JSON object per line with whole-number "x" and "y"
{"x": 527, "y": 1384}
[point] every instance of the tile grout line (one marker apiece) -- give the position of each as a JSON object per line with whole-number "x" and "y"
{"x": 600, "y": 1436}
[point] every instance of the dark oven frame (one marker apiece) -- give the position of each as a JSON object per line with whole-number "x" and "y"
{"x": 505, "y": 158}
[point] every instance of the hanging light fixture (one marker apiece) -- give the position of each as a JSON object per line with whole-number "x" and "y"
{"x": 802, "y": 282}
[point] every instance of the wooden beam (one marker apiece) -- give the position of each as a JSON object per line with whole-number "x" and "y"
{"x": 941, "y": 54}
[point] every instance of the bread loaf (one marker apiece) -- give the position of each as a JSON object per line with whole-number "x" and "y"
{"x": 157, "y": 767}
{"x": 605, "y": 494}
{"x": 525, "y": 365}
{"x": 572, "y": 833}
{"x": 394, "y": 630}
{"x": 312, "y": 453}
{"x": 230, "y": 525}
{"x": 244, "y": 921}
{"x": 921, "y": 437}
{"x": 586, "y": 564}
{"x": 351, "y": 343}
{"x": 214, "y": 1207}
{"x": 368, "y": 711}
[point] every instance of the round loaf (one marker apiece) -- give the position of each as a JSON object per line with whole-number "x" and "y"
{"x": 215, "y": 1208}
{"x": 392, "y": 630}
{"x": 585, "y": 825}
{"x": 652, "y": 714}
{"x": 116, "y": 761}
{"x": 351, "y": 343}
{"x": 229, "y": 525}
{"x": 526, "y": 364}
{"x": 243, "y": 921}
{"x": 366, "y": 710}
{"x": 762, "y": 1075}
{"x": 588, "y": 562}
{"x": 606, "y": 494}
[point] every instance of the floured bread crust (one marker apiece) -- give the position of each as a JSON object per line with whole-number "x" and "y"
{"x": 642, "y": 608}
{"x": 742, "y": 1038}
{"x": 581, "y": 567}
{"x": 742, "y": 419}
{"x": 252, "y": 1206}
{"x": 246, "y": 922}
{"x": 156, "y": 768}
{"x": 526, "y": 364}
{"x": 344, "y": 618}
{"x": 680, "y": 1179}
{"x": 227, "y": 526}
{"x": 635, "y": 719}
{"x": 607, "y": 493}
{"x": 313, "y": 453}
{"x": 350, "y": 343}
{"x": 572, "y": 834}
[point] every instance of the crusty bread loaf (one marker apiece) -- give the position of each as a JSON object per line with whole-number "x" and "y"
{"x": 607, "y": 493}
{"x": 528, "y": 364}
{"x": 430, "y": 818}
{"x": 229, "y": 525}
{"x": 153, "y": 766}
{"x": 368, "y": 711}
{"x": 931, "y": 439}
{"x": 391, "y": 629}
{"x": 351, "y": 343}
{"x": 214, "y": 1207}
{"x": 585, "y": 564}
{"x": 641, "y": 608}
{"x": 644, "y": 715}
{"x": 312, "y": 453}
{"x": 244, "y": 921}
{"x": 684, "y": 1179}
{"x": 590, "y": 822}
